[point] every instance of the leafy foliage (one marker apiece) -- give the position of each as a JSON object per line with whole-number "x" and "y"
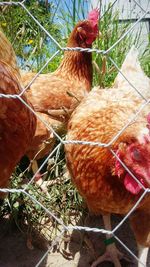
{"x": 31, "y": 44}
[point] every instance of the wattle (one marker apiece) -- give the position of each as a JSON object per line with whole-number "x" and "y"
{"x": 131, "y": 185}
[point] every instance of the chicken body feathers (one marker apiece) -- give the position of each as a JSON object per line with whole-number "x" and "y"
{"x": 53, "y": 88}
{"x": 91, "y": 165}
{"x": 51, "y": 91}
{"x": 17, "y": 124}
{"x": 99, "y": 118}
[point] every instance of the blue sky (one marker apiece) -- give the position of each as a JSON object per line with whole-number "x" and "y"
{"x": 65, "y": 11}
{"x": 67, "y": 7}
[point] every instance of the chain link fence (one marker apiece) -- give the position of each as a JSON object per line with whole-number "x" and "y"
{"x": 26, "y": 190}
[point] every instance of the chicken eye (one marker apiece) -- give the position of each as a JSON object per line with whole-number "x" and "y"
{"x": 82, "y": 33}
{"x": 136, "y": 155}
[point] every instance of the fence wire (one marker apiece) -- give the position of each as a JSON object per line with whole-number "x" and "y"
{"x": 24, "y": 191}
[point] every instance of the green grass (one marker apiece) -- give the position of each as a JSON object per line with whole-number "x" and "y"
{"x": 111, "y": 30}
{"x": 63, "y": 200}
{"x": 30, "y": 42}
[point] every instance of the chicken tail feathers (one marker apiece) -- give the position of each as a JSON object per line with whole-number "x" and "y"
{"x": 131, "y": 59}
{"x": 130, "y": 65}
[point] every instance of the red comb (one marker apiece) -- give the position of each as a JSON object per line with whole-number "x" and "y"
{"x": 94, "y": 15}
{"x": 148, "y": 121}
{"x": 148, "y": 118}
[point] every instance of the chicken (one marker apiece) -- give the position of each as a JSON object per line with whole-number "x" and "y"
{"x": 43, "y": 140}
{"x": 104, "y": 117}
{"x": 55, "y": 95}
{"x": 17, "y": 124}
{"x": 50, "y": 92}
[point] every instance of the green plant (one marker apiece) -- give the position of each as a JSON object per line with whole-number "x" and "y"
{"x": 31, "y": 44}
{"x": 111, "y": 31}
{"x": 62, "y": 199}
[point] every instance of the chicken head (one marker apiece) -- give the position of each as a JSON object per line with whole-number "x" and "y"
{"x": 136, "y": 157}
{"x": 85, "y": 32}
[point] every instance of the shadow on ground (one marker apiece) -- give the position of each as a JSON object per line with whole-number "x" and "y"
{"x": 13, "y": 248}
{"x": 15, "y": 253}
{"x": 84, "y": 255}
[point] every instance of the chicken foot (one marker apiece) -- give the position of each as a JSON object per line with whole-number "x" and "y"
{"x": 112, "y": 253}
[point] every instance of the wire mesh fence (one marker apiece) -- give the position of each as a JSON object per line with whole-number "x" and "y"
{"x": 50, "y": 213}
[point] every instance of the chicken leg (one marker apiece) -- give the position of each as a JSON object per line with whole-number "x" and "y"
{"x": 142, "y": 254}
{"x": 112, "y": 253}
{"x": 35, "y": 168}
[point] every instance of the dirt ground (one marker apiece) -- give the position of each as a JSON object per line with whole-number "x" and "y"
{"x": 15, "y": 253}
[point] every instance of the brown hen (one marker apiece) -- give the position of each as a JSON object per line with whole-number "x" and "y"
{"x": 55, "y": 95}
{"x": 17, "y": 124}
{"x": 99, "y": 176}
